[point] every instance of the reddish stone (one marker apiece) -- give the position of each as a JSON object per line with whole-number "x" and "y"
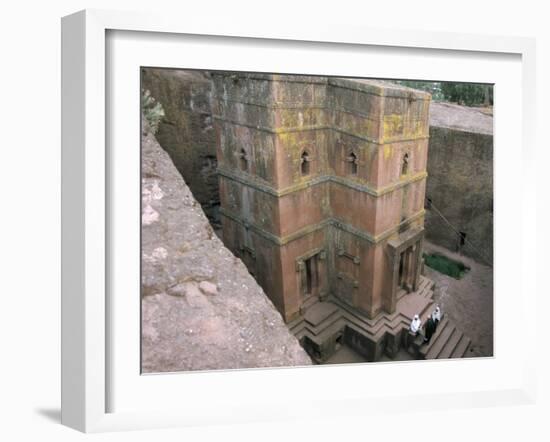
{"x": 322, "y": 185}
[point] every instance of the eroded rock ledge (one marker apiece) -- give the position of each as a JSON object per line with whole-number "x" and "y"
{"x": 201, "y": 309}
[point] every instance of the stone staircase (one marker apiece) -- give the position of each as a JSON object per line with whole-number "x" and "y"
{"x": 448, "y": 342}
{"x": 321, "y": 321}
{"x": 425, "y": 289}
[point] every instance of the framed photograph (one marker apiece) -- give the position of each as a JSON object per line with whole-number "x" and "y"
{"x": 251, "y": 213}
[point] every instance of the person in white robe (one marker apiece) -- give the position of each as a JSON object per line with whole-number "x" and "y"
{"x": 436, "y": 315}
{"x": 416, "y": 325}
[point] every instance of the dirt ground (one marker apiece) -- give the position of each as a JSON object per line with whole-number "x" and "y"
{"x": 467, "y": 301}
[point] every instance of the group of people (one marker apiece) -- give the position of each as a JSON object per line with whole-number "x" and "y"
{"x": 430, "y": 325}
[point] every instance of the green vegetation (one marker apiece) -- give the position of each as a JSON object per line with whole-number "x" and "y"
{"x": 445, "y": 265}
{"x": 469, "y": 94}
{"x": 152, "y": 110}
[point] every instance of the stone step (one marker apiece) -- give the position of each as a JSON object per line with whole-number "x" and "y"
{"x": 441, "y": 328}
{"x": 424, "y": 284}
{"x": 295, "y": 324}
{"x": 299, "y": 330}
{"x": 392, "y": 324}
{"x": 349, "y": 311}
{"x": 358, "y": 323}
{"x": 424, "y": 288}
{"x": 447, "y": 351}
{"x": 429, "y": 283}
{"x": 394, "y": 327}
{"x": 319, "y": 329}
{"x": 461, "y": 348}
{"x": 330, "y": 331}
{"x": 312, "y": 300}
{"x": 313, "y": 319}
{"x": 305, "y": 329}
{"x": 400, "y": 293}
{"x": 426, "y": 291}
{"x": 320, "y": 312}
{"x": 323, "y": 319}
{"x": 427, "y": 294}
{"x": 451, "y": 345}
{"x": 440, "y": 343}
{"x": 371, "y": 327}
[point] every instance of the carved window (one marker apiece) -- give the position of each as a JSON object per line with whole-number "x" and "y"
{"x": 405, "y": 164}
{"x": 304, "y": 163}
{"x": 243, "y": 161}
{"x": 352, "y": 163}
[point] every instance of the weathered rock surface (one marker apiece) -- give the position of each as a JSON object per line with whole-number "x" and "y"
{"x": 201, "y": 309}
{"x": 454, "y": 116}
{"x": 460, "y": 180}
{"x": 186, "y": 131}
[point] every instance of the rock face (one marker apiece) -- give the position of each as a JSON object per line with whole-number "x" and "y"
{"x": 460, "y": 181}
{"x": 201, "y": 309}
{"x": 186, "y": 131}
{"x": 462, "y": 118}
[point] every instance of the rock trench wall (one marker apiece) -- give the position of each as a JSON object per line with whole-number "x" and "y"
{"x": 186, "y": 131}
{"x": 460, "y": 182}
{"x": 201, "y": 309}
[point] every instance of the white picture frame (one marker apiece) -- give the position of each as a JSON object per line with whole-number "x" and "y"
{"x": 87, "y": 206}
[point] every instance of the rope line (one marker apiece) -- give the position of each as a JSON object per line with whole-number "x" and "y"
{"x": 474, "y": 248}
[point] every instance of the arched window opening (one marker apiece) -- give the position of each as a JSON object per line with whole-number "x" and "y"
{"x": 304, "y": 163}
{"x": 405, "y": 165}
{"x": 353, "y": 163}
{"x": 243, "y": 160}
